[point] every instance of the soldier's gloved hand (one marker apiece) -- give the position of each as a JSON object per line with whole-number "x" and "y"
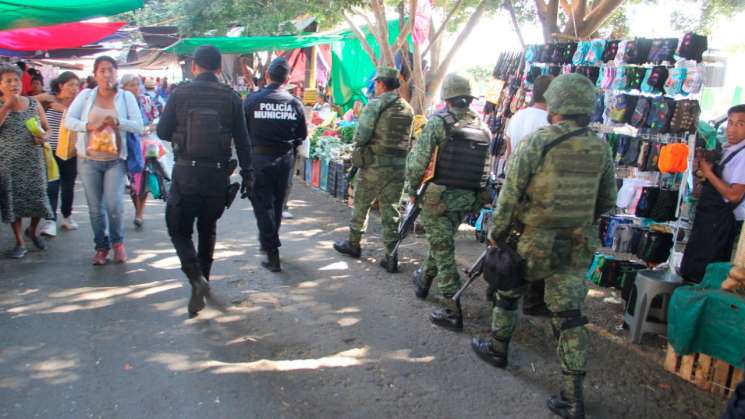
{"x": 246, "y": 184}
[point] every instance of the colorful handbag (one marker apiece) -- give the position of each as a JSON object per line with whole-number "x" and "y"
{"x": 610, "y": 51}
{"x": 685, "y": 117}
{"x": 660, "y": 112}
{"x": 621, "y": 53}
{"x": 637, "y": 51}
{"x": 621, "y": 108}
{"x": 620, "y": 81}
{"x": 694, "y": 81}
{"x": 583, "y": 48}
{"x": 594, "y": 56}
{"x": 693, "y": 46}
{"x": 634, "y": 77}
{"x": 655, "y": 82}
{"x": 663, "y": 50}
{"x": 641, "y": 111}
{"x": 675, "y": 80}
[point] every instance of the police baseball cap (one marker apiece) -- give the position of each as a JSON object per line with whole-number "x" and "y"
{"x": 208, "y": 57}
{"x": 279, "y": 68}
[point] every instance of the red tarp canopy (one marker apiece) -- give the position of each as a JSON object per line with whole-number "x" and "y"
{"x": 65, "y": 35}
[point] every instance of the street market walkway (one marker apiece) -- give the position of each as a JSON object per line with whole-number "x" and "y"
{"x": 328, "y": 337}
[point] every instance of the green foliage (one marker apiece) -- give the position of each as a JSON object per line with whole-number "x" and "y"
{"x": 347, "y": 134}
{"x": 155, "y": 12}
{"x": 480, "y": 73}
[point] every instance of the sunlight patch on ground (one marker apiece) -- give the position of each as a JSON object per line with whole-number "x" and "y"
{"x": 347, "y": 321}
{"x": 336, "y": 266}
{"x": 404, "y": 355}
{"x": 347, "y": 310}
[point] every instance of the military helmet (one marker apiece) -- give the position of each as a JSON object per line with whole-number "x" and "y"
{"x": 386, "y": 73}
{"x": 457, "y": 85}
{"x": 571, "y": 94}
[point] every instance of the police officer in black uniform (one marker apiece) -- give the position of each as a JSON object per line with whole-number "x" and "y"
{"x": 201, "y": 119}
{"x": 276, "y": 126}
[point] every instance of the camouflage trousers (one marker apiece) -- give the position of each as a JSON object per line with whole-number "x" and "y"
{"x": 383, "y": 184}
{"x": 556, "y": 257}
{"x": 440, "y": 231}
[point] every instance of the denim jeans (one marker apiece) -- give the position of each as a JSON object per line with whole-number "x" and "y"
{"x": 103, "y": 182}
{"x": 65, "y": 186}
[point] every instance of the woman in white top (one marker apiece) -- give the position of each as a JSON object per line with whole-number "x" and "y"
{"x": 102, "y": 116}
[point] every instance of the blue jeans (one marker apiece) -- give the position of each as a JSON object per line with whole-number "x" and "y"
{"x": 103, "y": 182}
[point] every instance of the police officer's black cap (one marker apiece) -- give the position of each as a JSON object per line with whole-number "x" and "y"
{"x": 208, "y": 57}
{"x": 279, "y": 68}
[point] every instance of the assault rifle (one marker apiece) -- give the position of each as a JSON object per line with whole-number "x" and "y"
{"x": 413, "y": 209}
{"x": 473, "y": 272}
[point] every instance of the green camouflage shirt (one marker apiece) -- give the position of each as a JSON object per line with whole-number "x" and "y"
{"x": 420, "y": 156}
{"x": 576, "y": 182}
{"x": 369, "y": 117}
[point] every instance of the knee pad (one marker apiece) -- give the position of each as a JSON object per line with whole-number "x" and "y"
{"x": 505, "y": 303}
{"x": 569, "y": 319}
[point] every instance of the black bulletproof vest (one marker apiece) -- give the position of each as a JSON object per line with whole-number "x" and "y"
{"x": 204, "y": 122}
{"x": 462, "y": 159}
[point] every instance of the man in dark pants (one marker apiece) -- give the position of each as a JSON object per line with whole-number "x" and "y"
{"x": 276, "y": 126}
{"x": 200, "y": 119}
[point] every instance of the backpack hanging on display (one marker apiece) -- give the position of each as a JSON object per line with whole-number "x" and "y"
{"x": 664, "y": 206}
{"x": 660, "y": 112}
{"x": 641, "y": 111}
{"x": 547, "y": 53}
{"x": 694, "y": 81}
{"x": 673, "y": 158}
{"x": 631, "y": 154}
{"x": 597, "y": 115}
{"x": 663, "y": 50}
{"x": 623, "y": 108}
{"x": 637, "y": 51}
{"x": 610, "y": 51}
{"x": 693, "y": 46}
{"x": 647, "y": 201}
{"x": 675, "y": 79}
{"x": 634, "y": 77}
{"x": 583, "y": 47}
{"x": 654, "y": 79}
{"x": 568, "y": 53}
{"x": 643, "y": 154}
{"x": 654, "y": 154}
{"x": 594, "y": 56}
{"x": 685, "y": 116}
{"x": 620, "y": 80}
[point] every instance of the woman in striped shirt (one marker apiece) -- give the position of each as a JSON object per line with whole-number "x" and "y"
{"x": 64, "y": 89}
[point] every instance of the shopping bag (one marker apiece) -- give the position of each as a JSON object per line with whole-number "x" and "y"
{"x": 51, "y": 163}
{"x": 67, "y": 139}
{"x": 135, "y": 161}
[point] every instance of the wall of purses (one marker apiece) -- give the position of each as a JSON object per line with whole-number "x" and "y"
{"x": 647, "y": 110}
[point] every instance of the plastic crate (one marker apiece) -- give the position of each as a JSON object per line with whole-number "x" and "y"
{"x": 299, "y": 169}
{"x": 308, "y": 170}
{"x": 315, "y": 177}
{"x": 333, "y": 175}
{"x": 324, "y": 183}
{"x": 341, "y": 186}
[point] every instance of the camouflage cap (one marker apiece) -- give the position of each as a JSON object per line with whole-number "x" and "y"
{"x": 457, "y": 85}
{"x": 571, "y": 94}
{"x": 386, "y": 73}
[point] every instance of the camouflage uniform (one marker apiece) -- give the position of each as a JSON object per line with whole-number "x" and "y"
{"x": 443, "y": 209}
{"x": 383, "y": 178}
{"x": 556, "y": 196}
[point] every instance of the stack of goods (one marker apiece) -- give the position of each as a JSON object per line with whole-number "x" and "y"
{"x": 328, "y": 157}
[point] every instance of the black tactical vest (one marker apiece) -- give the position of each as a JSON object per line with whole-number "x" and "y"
{"x": 204, "y": 122}
{"x": 462, "y": 159}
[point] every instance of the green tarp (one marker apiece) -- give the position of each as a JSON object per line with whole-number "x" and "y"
{"x": 703, "y": 318}
{"x": 249, "y": 44}
{"x": 351, "y": 67}
{"x": 32, "y": 13}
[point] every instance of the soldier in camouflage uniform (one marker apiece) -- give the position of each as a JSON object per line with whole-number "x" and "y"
{"x": 443, "y": 208}
{"x": 382, "y": 140}
{"x": 559, "y": 182}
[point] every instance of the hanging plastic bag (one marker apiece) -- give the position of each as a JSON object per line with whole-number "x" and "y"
{"x": 51, "y": 163}
{"x": 66, "y": 143}
{"x": 153, "y": 185}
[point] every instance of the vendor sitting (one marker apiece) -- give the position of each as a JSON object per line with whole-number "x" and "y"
{"x": 354, "y": 113}
{"x": 721, "y": 209}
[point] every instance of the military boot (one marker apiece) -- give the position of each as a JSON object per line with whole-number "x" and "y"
{"x": 492, "y": 351}
{"x": 569, "y": 404}
{"x": 272, "y": 261}
{"x": 200, "y": 289}
{"x": 390, "y": 263}
{"x": 348, "y": 248}
{"x": 422, "y": 284}
{"x": 450, "y": 317}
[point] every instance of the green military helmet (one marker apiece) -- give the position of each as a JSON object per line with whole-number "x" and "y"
{"x": 458, "y": 85}
{"x": 386, "y": 73}
{"x": 571, "y": 94}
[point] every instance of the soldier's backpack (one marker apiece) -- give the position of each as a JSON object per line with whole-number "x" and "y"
{"x": 462, "y": 160}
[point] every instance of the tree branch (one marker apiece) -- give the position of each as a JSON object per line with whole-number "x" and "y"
{"x": 473, "y": 20}
{"x": 378, "y": 9}
{"x": 511, "y": 10}
{"x": 444, "y": 25}
{"x": 598, "y": 15}
{"x": 403, "y": 36}
{"x": 361, "y": 36}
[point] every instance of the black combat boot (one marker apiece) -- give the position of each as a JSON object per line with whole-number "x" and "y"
{"x": 492, "y": 351}
{"x": 348, "y": 248}
{"x": 450, "y": 317}
{"x": 422, "y": 284}
{"x": 569, "y": 404}
{"x": 272, "y": 261}
{"x": 200, "y": 289}
{"x": 390, "y": 263}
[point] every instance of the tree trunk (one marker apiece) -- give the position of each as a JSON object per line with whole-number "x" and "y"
{"x": 386, "y": 53}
